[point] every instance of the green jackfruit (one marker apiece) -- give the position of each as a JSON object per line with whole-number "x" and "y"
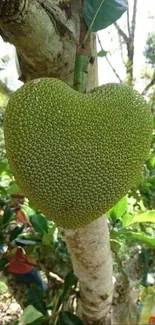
{"x": 75, "y": 155}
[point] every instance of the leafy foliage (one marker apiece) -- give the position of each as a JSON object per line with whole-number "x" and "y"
{"x": 149, "y": 51}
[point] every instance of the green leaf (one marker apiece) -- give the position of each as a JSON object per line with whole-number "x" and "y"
{"x": 3, "y": 190}
{"x": 127, "y": 219}
{"x": 15, "y": 232}
{"x": 148, "y": 216}
{"x": 102, "y": 53}
{"x": 8, "y": 216}
{"x": 152, "y": 162}
{"x": 3, "y": 263}
{"x": 115, "y": 245}
{"x": 30, "y": 314}
{"x": 3, "y": 287}
{"x": 33, "y": 237}
{"x": 99, "y": 14}
{"x": 47, "y": 238}
{"x": 39, "y": 223}
{"x": 14, "y": 188}
{"x": 67, "y": 318}
{"x": 35, "y": 297}
{"x": 141, "y": 238}
{"x": 4, "y": 167}
{"x": 70, "y": 280}
{"x": 120, "y": 208}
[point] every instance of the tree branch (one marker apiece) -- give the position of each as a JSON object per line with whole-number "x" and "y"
{"x": 115, "y": 72}
{"x": 133, "y": 23}
{"x": 128, "y": 22}
{"x": 151, "y": 83}
{"x": 121, "y": 33}
{"x": 45, "y": 36}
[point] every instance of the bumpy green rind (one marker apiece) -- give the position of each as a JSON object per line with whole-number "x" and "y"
{"x": 75, "y": 155}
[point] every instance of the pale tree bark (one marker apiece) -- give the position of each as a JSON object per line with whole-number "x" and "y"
{"x": 46, "y": 34}
{"x": 91, "y": 257}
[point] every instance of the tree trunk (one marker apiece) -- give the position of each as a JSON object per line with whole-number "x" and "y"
{"x": 90, "y": 252}
{"x": 46, "y": 35}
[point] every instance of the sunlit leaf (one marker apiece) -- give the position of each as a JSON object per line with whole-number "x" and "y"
{"x": 3, "y": 287}
{"x": 119, "y": 209}
{"x": 148, "y": 216}
{"x": 127, "y": 219}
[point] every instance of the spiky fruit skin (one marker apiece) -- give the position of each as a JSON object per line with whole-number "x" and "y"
{"x": 75, "y": 155}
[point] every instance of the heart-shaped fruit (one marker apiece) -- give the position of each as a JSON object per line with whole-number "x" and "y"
{"x": 75, "y": 155}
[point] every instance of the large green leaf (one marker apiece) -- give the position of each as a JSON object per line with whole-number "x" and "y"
{"x": 67, "y": 318}
{"x": 39, "y": 223}
{"x": 99, "y": 14}
{"x": 148, "y": 216}
{"x": 30, "y": 315}
{"x": 140, "y": 237}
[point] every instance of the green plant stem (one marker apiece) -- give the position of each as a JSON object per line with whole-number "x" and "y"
{"x": 80, "y": 73}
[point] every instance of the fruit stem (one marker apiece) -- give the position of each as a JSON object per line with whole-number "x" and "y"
{"x": 80, "y": 73}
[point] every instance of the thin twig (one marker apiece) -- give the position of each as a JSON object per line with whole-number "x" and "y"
{"x": 121, "y": 33}
{"x": 121, "y": 49}
{"x": 151, "y": 83}
{"x": 133, "y": 23}
{"x": 128, "y": 22}
{"x": 114, "y": 70}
